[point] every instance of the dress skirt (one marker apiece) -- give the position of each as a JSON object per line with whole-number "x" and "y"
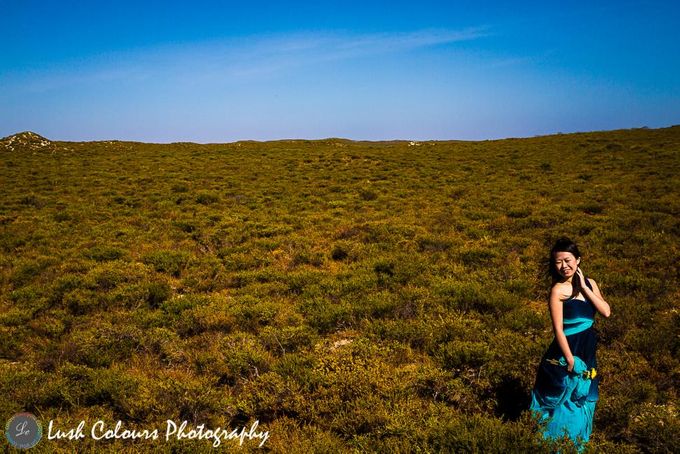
{"x": 566, "y": 400}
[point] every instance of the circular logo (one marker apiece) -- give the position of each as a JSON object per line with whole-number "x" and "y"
{"x": 23, "y": 430}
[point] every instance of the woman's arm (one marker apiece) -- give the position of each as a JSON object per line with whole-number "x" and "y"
{"x": 555, "y": 304}
{"x": 594, "y": 295}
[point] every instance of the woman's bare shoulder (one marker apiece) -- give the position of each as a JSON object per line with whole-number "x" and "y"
{"x": 561, "y": 291}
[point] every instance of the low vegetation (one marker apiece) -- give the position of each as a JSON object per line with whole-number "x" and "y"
{"x": 349, "y": 296}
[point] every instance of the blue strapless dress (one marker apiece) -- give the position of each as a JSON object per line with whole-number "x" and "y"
{"x": 566, "y": 400}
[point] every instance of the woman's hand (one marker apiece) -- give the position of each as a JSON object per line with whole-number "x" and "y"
{"x": 581, "y": 277}
{"x": 570, "y": 364}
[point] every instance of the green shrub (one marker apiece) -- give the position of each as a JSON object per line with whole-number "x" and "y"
{"x": 326, "y": 316}
{"x": 376, "y": 305}
{"x": 31, "y": 200}
{"x": 82, "y": 301}
{"x": 592, "y": 208}
{"x": 339, "y": 253}
{"x": 466, "y": 296}
{"x": 10, "y": 340}
{"x": 15, "y": 317}
{"x": 211, "y": 316}
{"x": 308, "y": 257}
{"x": 106, "y": 276}
{"x": 27, "y": 271}
{"x": 30, "y": 298}
{"x": 62, "y": 216}
{"x": 442, "y": 386}
{"x": 171, "y": 262}
{"x": 184, "y": 396}
{"x": 177, "y": 305}
{"x": 64, "y": 284}
{"x": 456, "y": 355}
{"x": 522, "y": 320}
{"x": 103, "y": 344}
{"x": 297, "y": 366}
{"x": 519, "y": 213}
{"x": 104, "y": 253}
{"x": 243, "y": 357}
{"x": 269, "y": 396}
{"x": 433, "y": 244}
{"x": 477, "y": 257}
{"x": 656, "y": 428}
{"x": 184, "y": 226}
{"x": 157, "y": 293}
{"x": 166, "y": 344}
{"x": 367, "y": 194}
{"x": 287, "y": 339}
{"x": 207, "y": 198}
{"x": 480, "y": 433}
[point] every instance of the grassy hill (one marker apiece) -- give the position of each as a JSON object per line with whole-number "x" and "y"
{"x": 369, "y": 296}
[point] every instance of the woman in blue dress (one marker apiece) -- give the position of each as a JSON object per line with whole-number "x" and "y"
{"x": 566, "y": 388}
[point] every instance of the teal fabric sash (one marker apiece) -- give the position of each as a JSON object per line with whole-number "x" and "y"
{"x": 573, "y": 326}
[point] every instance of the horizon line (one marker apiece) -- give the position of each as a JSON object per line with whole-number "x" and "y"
{"x": 330, "y": 138}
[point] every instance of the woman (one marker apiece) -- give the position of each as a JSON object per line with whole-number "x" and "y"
{"x": 566, "y": 388}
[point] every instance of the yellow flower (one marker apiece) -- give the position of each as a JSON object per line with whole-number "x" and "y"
{"x": 590, "y": 374}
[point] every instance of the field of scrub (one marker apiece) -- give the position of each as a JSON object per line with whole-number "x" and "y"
{"x": 348, "y": 296}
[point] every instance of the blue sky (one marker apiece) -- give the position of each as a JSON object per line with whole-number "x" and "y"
{"x": 223, "y": 71}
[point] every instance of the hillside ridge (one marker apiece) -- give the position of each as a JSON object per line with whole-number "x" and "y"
{"x": 25, "y": 139}
{"x": 34, "y": 141}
